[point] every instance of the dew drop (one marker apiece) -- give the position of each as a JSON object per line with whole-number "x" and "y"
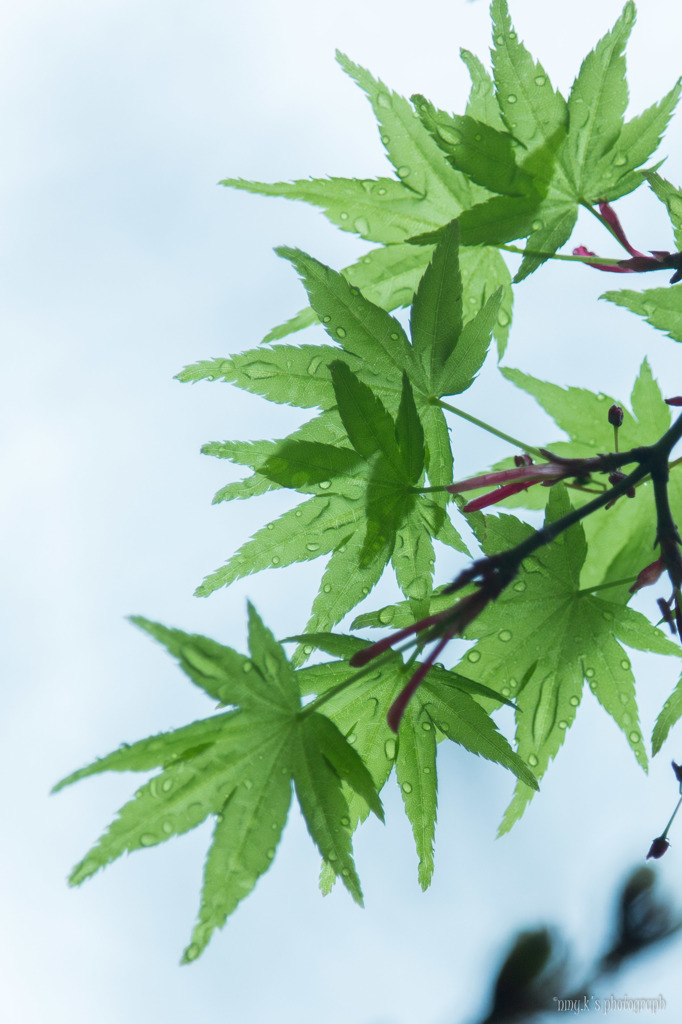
{"x": 247, "y": 666}
{"x": 537, "y": 225}
{"x": 327, "y": 588}
{"x": 511, "y": 98}
{"x": 627, "y": 719}
{"x": 426, "y": 726}
{"x": 474, "y": 655}
{"x": 403, "y": 172}
{"x": 384, "y": 100}
{"x": 167, "y": 828}
{"x": 635, "y": 737}
{"x": 147, "y": 839}
{"x": 502, "y": 318}
{"x": 607, "y": 616}
{"x": 271, "y": 526}
{"x": 520, "y": 586}
{"x": 385, "y": 139}
{"x": 270, "y": 854}
{"x": 352, "y": 738}
{"x": 505, "y": 635}
{"x": 426, "y": 770}
{"x": 345, "y": 821}
{"x": 386, "y": 616}
{"x": 361, "y": 226}
{"x": 259, "y": 371}
{"x": 540, "y": 80}
{"x": 307, "y": 650}
{"x": 562, "y": 724}
{"x": 406, "y": 787}
{"x": 298, "y": 513}
{"x": 619, "y": 160}
{"x": 593, "y": 686}
{"x": 589, "y": 673}
{"x": 625, "y": 664}
{"x": 344, "y": 216}
{"x": 389, "y": 749}
{"x": 166, "y": 785}
{"x": 505, "y": 691}
{"x": 340, "y": 332}
{"x": 365, "y": 590}
{"x": 312, "y": 546}
{"x": 248, "y": 783}
{"x": 324, "y": 485}
{"x": 574, "y": 701}
{"x": 624, "y": 698}
{"x": 499, "y": 40}
{"x": 345, "y": 872}
{"x": 532, "y": 760}
{"x": 381, "y": 191}
{"x": 275, "y": 560}
{"x": 450, "y": 135}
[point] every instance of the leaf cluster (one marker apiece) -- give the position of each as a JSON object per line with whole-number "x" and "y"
{"x": 371, "y": 470}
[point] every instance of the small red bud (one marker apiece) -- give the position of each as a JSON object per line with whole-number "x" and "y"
{"x": 522, "y": 460}
{"x": 677, "y": 768}
{"x": 677, "y": 400}
{"x": 616, "y": 416}
{"x": 658, "y": 848}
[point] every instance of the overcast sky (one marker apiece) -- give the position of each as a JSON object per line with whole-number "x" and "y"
{"x": 122, "y": 261}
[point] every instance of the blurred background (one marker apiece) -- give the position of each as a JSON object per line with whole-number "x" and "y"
{"x": 122, "y": 261}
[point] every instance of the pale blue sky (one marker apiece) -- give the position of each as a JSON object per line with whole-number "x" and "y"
{"x": 122, "y": 261}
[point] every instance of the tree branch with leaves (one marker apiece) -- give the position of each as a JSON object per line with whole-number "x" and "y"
{"x": 544, "y": 611}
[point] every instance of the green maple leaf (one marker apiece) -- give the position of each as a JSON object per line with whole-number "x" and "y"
{"x": 566, "y": 635}
{"x": 237, "y": 767}
{"x": 544, "y": 637}
{"x": 573, "y": 153}
{"x": 443, "y": 708}
{"x": 425, "y": 195}
{"x": 348, "y": 481}
{"x": 620, "y": 539}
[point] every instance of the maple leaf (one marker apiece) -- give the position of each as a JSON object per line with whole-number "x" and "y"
{"x": 237, "y": 767}
{"x": 405, "y": 379}
{"x": 620, "y": 539}
{"x": 543, "y": 638}
{"x": 425, "y": 195}
{"x": 444, "y": 708}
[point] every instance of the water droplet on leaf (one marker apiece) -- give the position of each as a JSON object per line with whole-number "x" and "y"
{"x": 505, "y": 635}
{"x": 532, "y": 760}
{"x": 324, "y": 484}
{"x": 390, "y": 749}
{"x": 406, "y": 787}
{"x": 474, "y": 655}
{"x": 147, "y": 839}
